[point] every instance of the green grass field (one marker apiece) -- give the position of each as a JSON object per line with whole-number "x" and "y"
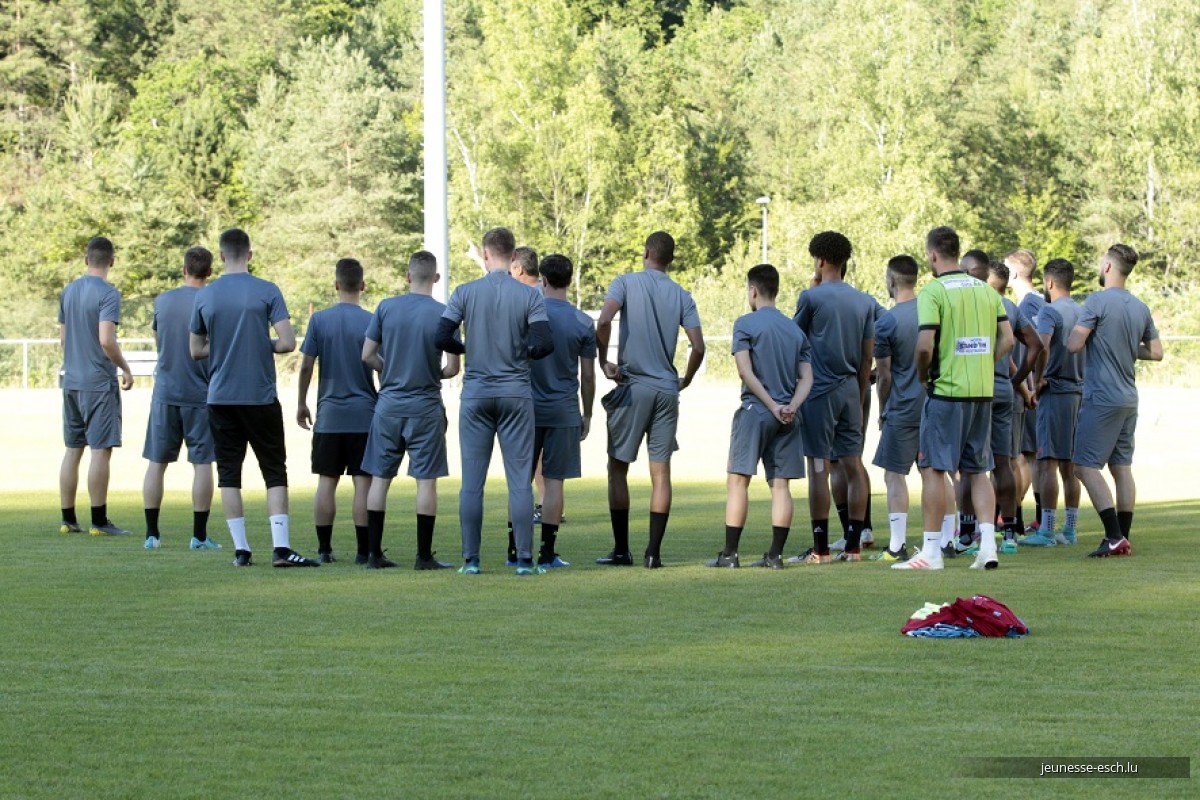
{"x": 133, "y": 674}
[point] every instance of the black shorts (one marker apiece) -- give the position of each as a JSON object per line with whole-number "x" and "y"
{"x": 338, "y": 453}
{"x": 260, "y": 427}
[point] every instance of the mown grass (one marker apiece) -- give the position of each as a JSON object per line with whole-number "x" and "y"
{"x": 171, "y": 674}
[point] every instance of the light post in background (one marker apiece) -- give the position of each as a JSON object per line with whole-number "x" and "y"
{"x": 437, "y": 229}
{"x": 764, "y": 201}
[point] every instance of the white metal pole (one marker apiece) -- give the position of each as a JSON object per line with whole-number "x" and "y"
{"x": 437, "y": 232}
{"x": 24, "y": 365}
{"x": 764, "y": 234}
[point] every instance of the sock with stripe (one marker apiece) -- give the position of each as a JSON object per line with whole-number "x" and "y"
{"x": 280, "y": 538}
{"x": 1049, "y": 518}
{"x": 1071, "y": 519}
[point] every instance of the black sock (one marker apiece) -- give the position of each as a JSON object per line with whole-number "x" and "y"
{"x": 99, "y": 515}
{"x": 867, "y": 523}
{"x": 549, "y": 535}
{"x": 375, "y": 532}
{"x": 324, "y": 538}
{"x": 658, "y": 529}
{"x": 200, "y": 525}
{"x": 733, "y": 535}
{"x": 1037, "y": 511}
{"x": 1125, "y": 520}
{"x": 425, "y": 535}
{"x": 363, "y": 535}
{"x": 854, "y": 536}
{"x": 779, "y": 536}
{"x": 1009, "y": 526}
{"x": 1112, "y": 525}
{"x": 620, "y": 529}
{"x": 512, "y": 543}
{"x": 69, "y": 516}
{"x": 820, "y": 529}
{"x": 152, "y": 522}
{"x": 1020, "y": 518}
{"x": 843, "y": 512}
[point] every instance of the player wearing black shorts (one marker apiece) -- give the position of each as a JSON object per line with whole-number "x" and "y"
{"x": 345, "y": 402}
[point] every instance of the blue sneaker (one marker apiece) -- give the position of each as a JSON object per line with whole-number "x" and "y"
{"x": 511, "y": 562}
{"x": 151, "y": 543}
{"x": 1066, "y": 536}
{"x": 557, "y": 563}
{"x": 207, "y": 544}
{"x": 1038, "y": 539}
{"x": 469, "y": 568}
{"x": 529, "y": 568}
{"x": 1009, "y": 547}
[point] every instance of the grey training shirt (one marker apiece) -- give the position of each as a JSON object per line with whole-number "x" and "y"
{"x": 84, "y": 304}
{"x": 1064, "y": 371}
{"x": 836, "y": 318}
{"x": 896, "y": 334}
{"x": 236, "y": 312}
{"x": 1119, "y": 323}
{"x": 411, "y": 382}
{"x": 556, "y": 377}
{"x": 345, "y": 385}
{"x": 179, "y": 380}
{"x": 777, "y": 349}
{"x": 653, "y": 309}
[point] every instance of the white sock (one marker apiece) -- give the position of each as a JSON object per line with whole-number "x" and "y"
{"x": 237, "y": 529}
{"x": 1048, "y": 515}
{"x": 987, "y": 540}
{"x": 949, "y": 522}
{"x": 1072, "y": 518}
{"x": 932, "y": 550}
{"x": 279, "y": 531}
{"x": 898, "y": 525}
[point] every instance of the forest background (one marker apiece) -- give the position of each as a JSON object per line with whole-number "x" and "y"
{"x": 1059, "y": 125}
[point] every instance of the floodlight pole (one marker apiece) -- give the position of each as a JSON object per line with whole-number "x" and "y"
{"x": 764, "y": 201}
{"x": 437, "y": 229}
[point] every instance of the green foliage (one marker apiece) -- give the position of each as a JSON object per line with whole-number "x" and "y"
{"x": 586, "y": 124}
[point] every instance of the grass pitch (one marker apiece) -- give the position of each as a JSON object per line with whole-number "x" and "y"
{"x": 171, "y": 674}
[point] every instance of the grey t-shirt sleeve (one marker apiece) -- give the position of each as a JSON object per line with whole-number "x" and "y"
{"x": 110, "y": 307}
{"x": 311, "y": 345}
{"x": 616, "y": 291}
{"x": 1048, "y": 320}
{"x": 587, "y": 340}
{"x": 741, "y": 337}
{"x": 197, "y": 324}
{"x": 803, "y": 312}
{"x": 375, "y": 328}
{"x": 885, "y": 328}
{"x": 278, "y": 310}
{"x": 454, "y": 307}
{"x": 1090, "y": 316}
{"x": 537, "y": 308}
{"x": 1151, "y": 332}
{"x": 690, "y": 318}
{"x": 805, "y": 354}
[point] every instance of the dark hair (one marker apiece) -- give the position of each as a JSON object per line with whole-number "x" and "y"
{"x": 832, "y": 248}
{"x": 1025, "y": 259}
{"x": 1124, "y": 257}
{"x": 422, "y": 266}
{"x": 978, "y": 256}
{"x": 557, "y": 270}
{"x": 944, "y": 242}
{"x": 764, "y": 278}
{"x": 500, "y": 242}
{"x": 349, "y": 274}
{"x": 197, "y": 262}
{"x": 660, "y": 246}
{"x": 1061, "y": 270}
{"x": 527, "y": 259}
{"x": 234, "y": 243}
{"x": 99, "y": 252}
{"x": 905, "y": 269}
{"x": 997, "y": 269}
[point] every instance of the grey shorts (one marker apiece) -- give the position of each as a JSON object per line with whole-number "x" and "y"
{"x": 1002, "y": 423}
{"x": 898, "y": 447}
{"x": 170, "y": 426}
{"x": 956, "y": 436}
{"x": 1105, "y": 435}
{"x": 757, "y": 436}
{"x": 1057, "y": 415}
{"x": 1018, "y": 425}
{"x": 92, "y": 419}
{"x": 559, "y": 451}
{"x": 635, "y": 411}
{"x": 423, "y": 439}
{"x": 832, "y": 424}
{"x": 1029, "y": 434}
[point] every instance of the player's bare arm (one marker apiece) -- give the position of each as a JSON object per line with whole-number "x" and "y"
{"x": 608, "y": 313}
{"x": 285, "y": 341}
{"x": 452, "y": 366}
{"x": 924, "y": 353}
{"x": 303, "y": 415}
{"x": 803, "y": 386}
{"x": 587, "y": 392}
{"x": 745, "y": 370}
{"x": 370, "y": 355}
{"x": 1151, "y": 350}
{"x": 1004, "y": 339}
{"x": 198, "y": 346}
{"x": 1033, "y": 349}
{"x": 883, "y": 383}
{"x": 864, "y": 369}
{"x": 108, "y": 342}
{"x": 695, "y": 355}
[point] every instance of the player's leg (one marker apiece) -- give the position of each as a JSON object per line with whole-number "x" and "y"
{"x": 847, "y": 449}
{"x": 476, "y": 435}
{"x": 152, "y": 496}
{"x": 325, "y": 511}
{"x": 737, "y": 499}
{"x": 558, "y": 452}
{"x": 628, "y": 418}
{"x": 939, "y": 451}
{"x": 102, "y": 415}
{"x": 984, "y": 496}
{"x": 426, "y": 438}
{"x": 75, "y": 440}
{"x": 198, "y": 435}
{"x": 660, "y": 445}
{"x": 618, "y": 512}
{"x": 839, "y": 494}
{"x": 515, "y": 430}
{"x": 818, "y": 511}
{"x": 1071, "y": 496}
{"x": 1006, "y": 497}
{"x": 1105, "y": 435}
{"x": 975, "y": 464}
{"x": 164, "y": 437}
{"x": 377, "y": 494}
